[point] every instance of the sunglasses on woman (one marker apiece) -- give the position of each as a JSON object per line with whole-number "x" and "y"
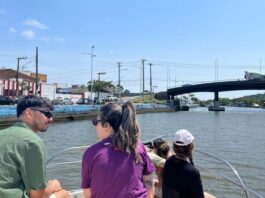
{"x": 96, "y": 121}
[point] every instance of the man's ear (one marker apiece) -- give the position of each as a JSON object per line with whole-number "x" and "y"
{"x": 27, "y": 112}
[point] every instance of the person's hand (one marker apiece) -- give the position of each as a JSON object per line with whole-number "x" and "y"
{"x": 54, "y": 186}
{"x": 62, "y": 194}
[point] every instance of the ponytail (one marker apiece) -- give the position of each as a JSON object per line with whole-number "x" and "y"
{"x": 126, "y": 132}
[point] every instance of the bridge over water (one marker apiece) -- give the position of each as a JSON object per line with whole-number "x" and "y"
{"x": 217, "y": 87}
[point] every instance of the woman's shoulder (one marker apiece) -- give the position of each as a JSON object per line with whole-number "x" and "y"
{"x": 98, "y": 147}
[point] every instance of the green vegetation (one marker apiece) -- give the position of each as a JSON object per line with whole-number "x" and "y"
{"x": 247, "y": 101}
{"x": 148, "y": 99}
{"x": 104, "y": 86}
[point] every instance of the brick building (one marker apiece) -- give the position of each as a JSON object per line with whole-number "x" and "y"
{"x": 26, "y": 83}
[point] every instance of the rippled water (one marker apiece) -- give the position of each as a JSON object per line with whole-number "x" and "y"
{"x": 236, "y": 135}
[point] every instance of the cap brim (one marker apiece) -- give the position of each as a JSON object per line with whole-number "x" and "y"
{"x": 41, "y": 108}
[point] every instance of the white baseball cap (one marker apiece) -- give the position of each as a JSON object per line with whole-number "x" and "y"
{"x": 183, "y": 137}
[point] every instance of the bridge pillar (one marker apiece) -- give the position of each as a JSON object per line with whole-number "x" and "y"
{"x": 216, "y": 96}
{"x": 216, "y": 104}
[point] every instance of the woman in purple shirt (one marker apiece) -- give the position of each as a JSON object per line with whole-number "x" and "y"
{"x": 117, "y": 166}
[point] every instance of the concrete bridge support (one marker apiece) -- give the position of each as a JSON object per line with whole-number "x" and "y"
{"x": 216, "y": 103}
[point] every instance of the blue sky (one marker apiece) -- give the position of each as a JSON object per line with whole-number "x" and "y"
{"x": 182, "y": 39}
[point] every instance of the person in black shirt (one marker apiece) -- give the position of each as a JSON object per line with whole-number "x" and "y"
{"x": 180, "y": 178}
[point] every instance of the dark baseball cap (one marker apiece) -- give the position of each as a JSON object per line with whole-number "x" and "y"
{"x": 32, "y": 101}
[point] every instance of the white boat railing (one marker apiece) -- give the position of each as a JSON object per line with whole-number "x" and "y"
{"x": 241, "y": 184}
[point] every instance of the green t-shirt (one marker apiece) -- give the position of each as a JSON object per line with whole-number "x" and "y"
{"x": 22, "y": 161}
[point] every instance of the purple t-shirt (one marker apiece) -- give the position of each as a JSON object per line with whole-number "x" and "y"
{"x": 112, "y": 173}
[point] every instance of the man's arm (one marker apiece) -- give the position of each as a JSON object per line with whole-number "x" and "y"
{"x": 149, "y": 183}
{"x": 52, "y": 187}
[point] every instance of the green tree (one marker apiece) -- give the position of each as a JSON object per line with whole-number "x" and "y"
{"x": 119, "y": 88}
{"x": 100, "y": 86}
{"x": 126, "y": 92}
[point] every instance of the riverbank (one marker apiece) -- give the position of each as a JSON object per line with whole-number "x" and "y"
{"x": 77, "y": 112}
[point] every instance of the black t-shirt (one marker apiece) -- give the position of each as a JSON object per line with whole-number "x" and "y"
{"x": 181, "y": 180}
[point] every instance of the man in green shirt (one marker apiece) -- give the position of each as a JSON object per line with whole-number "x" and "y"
{"x": 22, "y": 153}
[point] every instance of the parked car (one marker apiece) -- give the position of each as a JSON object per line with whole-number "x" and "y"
{"x": 57, "y": 101}
{"x": 17, "y": 98}
{"x": 67, "y": 101}
{"x": 4, "y": 100}
{"x": 62, "y": 101}
{"x": 84, "y": 101}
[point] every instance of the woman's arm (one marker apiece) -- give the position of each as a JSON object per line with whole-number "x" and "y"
{"x": 87, "y": 192}
{"x": 149, "y": 183}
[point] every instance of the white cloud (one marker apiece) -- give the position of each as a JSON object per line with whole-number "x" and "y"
{"x": 48, "y": 39}
{"x": 12, "y": 30}
{"x": 28, "y": 34}
{"x": 35, "y": 23}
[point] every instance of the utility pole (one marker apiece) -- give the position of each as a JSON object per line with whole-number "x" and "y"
{"x": 151, "y": 79}
{"x": 140, "y": 90}
{"x": 100, "y": 73}
{"x": 91, "y": 69}
{"x": 92, "y": 56}
{"x": 119, "y": 79}
{"x": 154, "y": 89}
{"x": 143, "y": 60}
{"x": 37, "y": 73}
{"x": 18, "y": 60}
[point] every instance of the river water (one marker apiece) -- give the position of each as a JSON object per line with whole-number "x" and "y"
{"x": 237, "y": 135}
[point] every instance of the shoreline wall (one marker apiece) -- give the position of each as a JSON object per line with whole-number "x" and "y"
{"x": 77, "y": 112}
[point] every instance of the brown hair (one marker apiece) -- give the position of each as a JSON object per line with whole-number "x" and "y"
{"x": 184, "y": 151}
{"x": 162, "y": 147}
{"x": 126, "y": 132}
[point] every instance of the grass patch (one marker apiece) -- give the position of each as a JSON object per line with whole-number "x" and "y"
{"x": 148, "y": 99}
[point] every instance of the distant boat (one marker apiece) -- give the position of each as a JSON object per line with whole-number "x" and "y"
{"x": 255, "y": 105}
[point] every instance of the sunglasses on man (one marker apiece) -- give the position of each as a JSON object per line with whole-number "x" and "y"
{"x": 48, "y": 114}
